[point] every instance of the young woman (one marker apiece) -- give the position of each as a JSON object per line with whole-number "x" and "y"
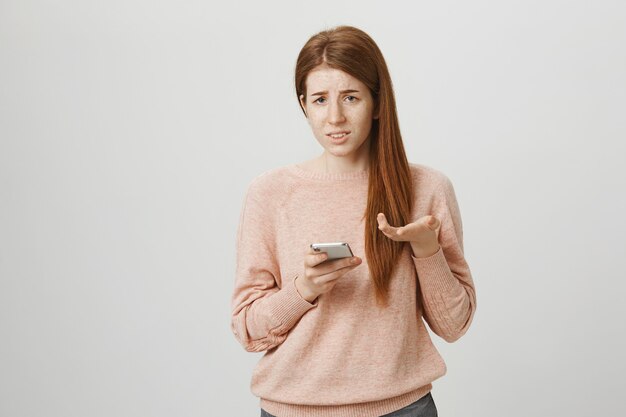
{"x": 347, "y": 337}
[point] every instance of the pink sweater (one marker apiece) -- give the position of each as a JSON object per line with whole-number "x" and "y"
{"x": 342, "y": 355}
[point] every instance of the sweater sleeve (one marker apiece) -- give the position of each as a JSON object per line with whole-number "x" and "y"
{"x": 445, "y": 279}
{"x": 263, "y": 311}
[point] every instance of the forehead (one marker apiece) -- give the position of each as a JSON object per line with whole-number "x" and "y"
{"x": 332, "y": 79}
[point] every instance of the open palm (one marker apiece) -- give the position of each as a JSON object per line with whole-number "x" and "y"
{"x": 424, "y": 232}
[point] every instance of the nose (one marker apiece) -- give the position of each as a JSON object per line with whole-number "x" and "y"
{"x": 335, "y": 113}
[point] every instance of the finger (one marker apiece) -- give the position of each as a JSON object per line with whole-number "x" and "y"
{"x": 384, "y": 226}
{"x": 431, "y": 222}
{"x": 315, "y": 258}
{"x": 408, "y": 229}
{"x": 391, "y": 232}
{"x": 336, "y": 273}
{"x": 336, "y": 264}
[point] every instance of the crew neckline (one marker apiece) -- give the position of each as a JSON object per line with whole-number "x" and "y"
{"x": 354, "y": 175}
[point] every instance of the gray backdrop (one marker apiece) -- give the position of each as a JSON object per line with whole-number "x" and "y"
{"x": 130, "y": 130}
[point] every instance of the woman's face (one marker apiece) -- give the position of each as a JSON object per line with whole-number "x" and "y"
{"x": 338, "y": 102}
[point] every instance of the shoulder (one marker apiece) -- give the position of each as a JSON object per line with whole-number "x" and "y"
{"x": 259, "y": 200}
{"x": 269, "y": 180}
{"x": 429, "y": 178}
{"x": 269, "y": 187}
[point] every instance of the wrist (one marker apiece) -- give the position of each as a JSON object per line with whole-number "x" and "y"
{"x": 304, "y": 292}
{"x": 424, "y": 251}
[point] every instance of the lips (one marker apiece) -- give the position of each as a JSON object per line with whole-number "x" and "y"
{"x": 338, "y": 133}
{"x": 340, "y": 140}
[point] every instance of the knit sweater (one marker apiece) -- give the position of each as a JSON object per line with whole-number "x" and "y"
{"x": 342, "y": 355}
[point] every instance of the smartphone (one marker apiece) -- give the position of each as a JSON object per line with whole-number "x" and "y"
{"x": 336, "y": 250}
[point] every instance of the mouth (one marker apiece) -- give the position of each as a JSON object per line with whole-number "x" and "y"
{"x": 338, "y": 134}
{"x": 339, "y": 139}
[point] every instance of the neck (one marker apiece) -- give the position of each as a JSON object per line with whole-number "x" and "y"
{"x": 334, "y": 164}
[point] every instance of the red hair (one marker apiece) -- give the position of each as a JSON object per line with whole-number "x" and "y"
{"x": 390, "y": 189}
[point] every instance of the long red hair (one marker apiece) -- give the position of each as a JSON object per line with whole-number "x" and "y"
{"x": 390, "y": 188}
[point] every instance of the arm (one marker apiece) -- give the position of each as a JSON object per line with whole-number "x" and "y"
{"x": 445, "y": 279}
{"x": 262, "y": 311}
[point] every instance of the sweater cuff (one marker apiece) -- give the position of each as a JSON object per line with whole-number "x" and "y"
{"x": 288, "y": 306}
{"x": 434, "y": 273}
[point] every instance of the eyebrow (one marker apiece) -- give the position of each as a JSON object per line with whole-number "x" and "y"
{"x": 342, "y": 91}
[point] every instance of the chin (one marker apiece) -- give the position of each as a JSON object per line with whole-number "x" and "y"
{"x": 341, "y": 153}
{"x": 339, "y": 149}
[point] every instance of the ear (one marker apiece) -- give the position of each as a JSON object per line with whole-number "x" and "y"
{"x": 376, "y": 112}
{"x": 302, "y": 104}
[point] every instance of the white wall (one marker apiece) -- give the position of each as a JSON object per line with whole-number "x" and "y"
{"x": 129, "y": 131}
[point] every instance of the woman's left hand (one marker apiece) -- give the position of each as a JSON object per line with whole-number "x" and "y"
{"x": 422, "y": 234}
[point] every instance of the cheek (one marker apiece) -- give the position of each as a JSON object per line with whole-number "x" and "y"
{"x": 317, "y": 123}
{"x": 364, "y": 119}
{"x": 361, "y": 114}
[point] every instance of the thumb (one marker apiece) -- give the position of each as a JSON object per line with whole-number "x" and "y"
{"x": 433, "y": 222}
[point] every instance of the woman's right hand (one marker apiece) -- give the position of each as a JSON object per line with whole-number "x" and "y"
{"x": 319, "y": 276}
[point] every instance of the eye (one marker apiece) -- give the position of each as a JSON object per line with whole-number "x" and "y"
{"x": 351, "y": 101}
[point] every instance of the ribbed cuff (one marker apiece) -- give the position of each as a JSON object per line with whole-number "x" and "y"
{"x": 434, "y": 273}
{"x": 287, "y": 306}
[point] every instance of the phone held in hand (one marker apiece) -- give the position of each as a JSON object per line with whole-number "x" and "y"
{"x": 335, "y": 250}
